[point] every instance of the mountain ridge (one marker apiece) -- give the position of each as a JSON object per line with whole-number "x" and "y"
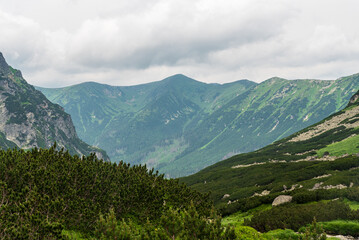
{"x": 210, "y": 118}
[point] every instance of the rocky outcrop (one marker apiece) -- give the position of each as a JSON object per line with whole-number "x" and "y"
{"x": 282, "y": 199}
{"x": 264, "y": 193}
{"x": 323, "y": 176}
{"x": 29, "y": 119}
{"x": 4, "y": 68}
{"x": 320, "y": 186}
{"x": 293, "y": 187}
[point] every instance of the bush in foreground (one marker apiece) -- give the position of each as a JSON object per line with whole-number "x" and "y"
{"x": 44, "y": 191}
{"x": 173, "y": 224}
{"x": 294, "y": 216}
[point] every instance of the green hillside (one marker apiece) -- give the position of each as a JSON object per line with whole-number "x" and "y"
{"x": 179, "y": 125}
{"x": 313, "y": 166}
{"x": 319, "y": 150}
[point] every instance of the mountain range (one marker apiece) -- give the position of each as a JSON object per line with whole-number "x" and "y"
{"x": 28, "y": 119}
{"x": 180, "y": 125}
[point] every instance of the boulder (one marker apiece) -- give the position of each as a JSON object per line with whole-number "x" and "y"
{"x": 226, "y": 196}
{"x": 282, "y": 199}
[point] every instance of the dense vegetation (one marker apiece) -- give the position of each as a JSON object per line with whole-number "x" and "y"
{"x": 45, "y": 191}
{"x": 242, "y": 183}
{"x": 293, "y": 216}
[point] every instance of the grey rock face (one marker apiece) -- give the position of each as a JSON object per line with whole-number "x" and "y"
{"x": 4, "y": 67}
{"x": 29, "y": 119}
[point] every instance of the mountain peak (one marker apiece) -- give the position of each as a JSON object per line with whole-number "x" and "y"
{"x": 4, "y": 67}
{"x": 178, "y": 77}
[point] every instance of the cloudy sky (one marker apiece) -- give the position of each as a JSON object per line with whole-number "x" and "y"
{"x": 64, "y": 42}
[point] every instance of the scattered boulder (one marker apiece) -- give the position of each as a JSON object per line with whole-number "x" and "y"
{"x": 339, "y": 186}
{"x": 323, "y": 176}
{"x": 319, "y": 186}
{"x": 316, "y": 186}
{"x": 226, "y": 196}
{"x": 295, "y": 186}
{"x": 282, "y": 199}
{"x": 264, "y": 193}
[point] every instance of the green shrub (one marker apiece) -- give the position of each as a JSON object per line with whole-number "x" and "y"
{"x": 282, "y": 234}
{"x": 294, "y": 216}
{"x": 45, "y": 191}
{"x": 314, "y": 232}
{"x": 248, "y": 233}
{"x": 342, "y": 227}
{"x": 174, "y": 224}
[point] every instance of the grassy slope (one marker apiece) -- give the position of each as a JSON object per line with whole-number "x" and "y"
{"x": 243, "y": 182}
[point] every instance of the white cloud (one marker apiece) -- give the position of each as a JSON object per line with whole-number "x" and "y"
{"x": 59, "y": 42}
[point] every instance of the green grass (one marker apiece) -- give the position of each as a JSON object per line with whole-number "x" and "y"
{"x": 281, "y": 234}
{"x": 352, "y": 204}
{"x": 238, "y": 218}
{"x": 248, "y": 233}
{"x": 342, "y": 227}
{"x": 347, "y": 146}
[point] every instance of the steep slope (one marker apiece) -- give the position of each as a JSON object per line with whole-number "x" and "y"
{"x": 28, "y": 119}
{"x": 322, "y": 156}
{"x": 179, "y": 125}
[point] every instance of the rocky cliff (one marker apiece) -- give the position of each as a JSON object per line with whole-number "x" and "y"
{"x": 29, "y": 119}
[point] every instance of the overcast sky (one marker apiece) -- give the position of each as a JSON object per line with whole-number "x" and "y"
{"x": 64, "y": 42}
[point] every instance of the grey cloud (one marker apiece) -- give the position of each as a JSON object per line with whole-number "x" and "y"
{"x": 128, "y": 42}
{"x": 165, "y": 45}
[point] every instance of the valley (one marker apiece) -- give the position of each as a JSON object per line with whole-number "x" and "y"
{"x": 55, "y": 186}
